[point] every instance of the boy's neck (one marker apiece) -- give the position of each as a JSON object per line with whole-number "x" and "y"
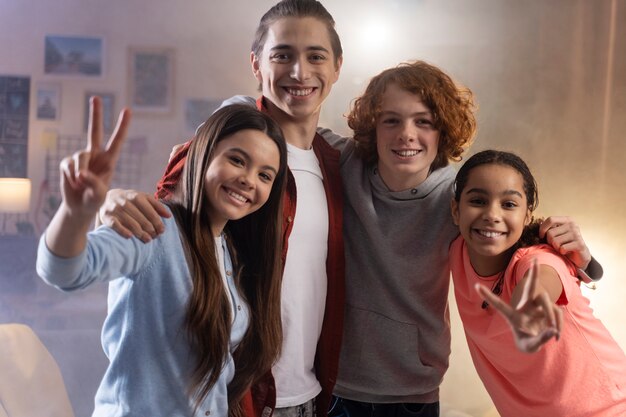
{"x": 298, "y": 132}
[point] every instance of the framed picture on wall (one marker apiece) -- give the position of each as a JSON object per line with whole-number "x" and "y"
{"x": 14, "y": 125}
{"x": 197, "y": 110}
{"x": 48, "y": 101}
{"x": 151, "y": 79}
{"x": 108, "y": 100}
{"x": 73, "y": 55}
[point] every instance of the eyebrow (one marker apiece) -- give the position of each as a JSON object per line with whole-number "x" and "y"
{"x": 395, "y": 113}
{"x": 284, "y": 46}
{"x": 484, "y": 192}
{"x": 246, "y": 155}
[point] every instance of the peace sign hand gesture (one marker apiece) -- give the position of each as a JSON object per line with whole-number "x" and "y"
{"x": 86, "y": 175}
{"x": 534, "y": 320}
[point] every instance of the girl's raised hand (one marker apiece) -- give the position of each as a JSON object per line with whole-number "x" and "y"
{"x": 86, "y": 175}
{"x": 534, "y": 320}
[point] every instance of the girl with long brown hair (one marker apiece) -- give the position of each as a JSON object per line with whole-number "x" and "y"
{"x": 194, "y": 316}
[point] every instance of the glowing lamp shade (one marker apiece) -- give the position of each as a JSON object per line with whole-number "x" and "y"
{"x": 14, "y": 195}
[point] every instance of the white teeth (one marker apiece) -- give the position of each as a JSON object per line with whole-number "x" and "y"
{"x": 237, "y": 196}
{"x": 299, "y": 92}
{"x": 487, "y": 233}
{"x": 407, "y": 153}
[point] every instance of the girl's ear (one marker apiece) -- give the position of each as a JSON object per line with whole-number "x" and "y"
{"x": 454, "y": 207}
{"x": 529, "y": 217}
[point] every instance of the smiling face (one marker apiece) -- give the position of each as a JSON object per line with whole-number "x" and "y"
{"x": 491, "y": 214}
{"x": 406, "y": 140}
{"x": 296, "y": 68}
{"x": 240, "y": 176}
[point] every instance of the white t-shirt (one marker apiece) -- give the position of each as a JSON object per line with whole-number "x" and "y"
{"x": 304, "y": 284}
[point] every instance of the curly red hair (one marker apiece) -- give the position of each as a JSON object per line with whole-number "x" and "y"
{"x": 452, "y": 106}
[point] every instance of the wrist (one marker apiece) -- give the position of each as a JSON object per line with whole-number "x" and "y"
{"x": 78, "y": 215}
{"x": 593, "y": 271}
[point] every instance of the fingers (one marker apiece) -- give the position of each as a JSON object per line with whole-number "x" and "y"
{"x": 162, "y": 211}
{"x": 114, "y": 145}
{"x": 175, "y": 150}
{"x": 495, "y": 301}
{"x": 119, "y": 219}
{"x": 530, "y": 284}
{"x": 147, "y": 214}
{"x": 564, "y": 235}
{"x": 80, "y": 164}
{"x": 94, "y": 131}
{"x": 533, "y": 344}
{"x": 94, "y": 128}
{"x": 552, "y": 222}
{"x": 132, "y": 213}
{"x": 115, "y": 224}
{"x": 559, "y": 231}
{"x": 68, "y": 172}
{"x": 548, "y": 307}
{"x": 95, "y": 191}
{"x": 72, "y": 166}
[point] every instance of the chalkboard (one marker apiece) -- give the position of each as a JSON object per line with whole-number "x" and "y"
{"x": 14, "y": 108}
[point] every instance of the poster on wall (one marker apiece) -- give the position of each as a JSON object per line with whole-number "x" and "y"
{"x": 151, "y": 79}
{"x": 14, "y": 107}
{"x": 197, "y": 110}
{"x": 48, "y": 101}
{"x": 73, "y": 55}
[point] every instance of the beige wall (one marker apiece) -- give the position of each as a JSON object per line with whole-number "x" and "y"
{"x": 550, "y": 77}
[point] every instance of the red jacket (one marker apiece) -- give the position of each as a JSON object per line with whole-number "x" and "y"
{"x": 261, "y": 400}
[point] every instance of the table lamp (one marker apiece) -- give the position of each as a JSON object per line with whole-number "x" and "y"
{"x": 14, "y": 197}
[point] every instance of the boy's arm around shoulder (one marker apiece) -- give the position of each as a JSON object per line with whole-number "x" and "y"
{"x": 343, "y": 144}
{"x": 564, "y": 235}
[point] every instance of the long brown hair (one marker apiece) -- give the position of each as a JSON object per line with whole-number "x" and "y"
{"x": 255, "y": 245}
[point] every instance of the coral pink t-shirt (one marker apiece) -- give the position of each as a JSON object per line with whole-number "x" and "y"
{"x": 581, "y": 375}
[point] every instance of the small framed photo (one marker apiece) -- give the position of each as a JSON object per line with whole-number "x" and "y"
{"x": 108, "y": 100}
{"x": 74, "y": 55}
{"x": 151, "y": 79}
{"x": 48, "y": 101}
{"x": 197, "y": 110}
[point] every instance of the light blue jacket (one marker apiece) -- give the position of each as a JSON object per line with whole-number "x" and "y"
{"x": 143, "y": 335}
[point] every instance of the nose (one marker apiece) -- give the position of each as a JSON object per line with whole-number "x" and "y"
{"x": 408, "y": 132}
{"x": 247, "y": 179}
{"x": 300, "y": 69}
{"x": 492, "y": 213}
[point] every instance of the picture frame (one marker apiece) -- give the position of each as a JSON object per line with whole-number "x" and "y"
{"x": 48, "y": 101}
{"x": 74, "y": 56}
{"x": 197, "y": 110}
{"x": 14, "y": 125}
{"x": 151, "y": 79}
{"x": 108, "y": 110}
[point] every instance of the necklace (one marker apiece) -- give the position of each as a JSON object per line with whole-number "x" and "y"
{"x": 496, "y": 288}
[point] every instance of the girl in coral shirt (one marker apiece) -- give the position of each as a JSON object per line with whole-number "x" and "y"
{"x": 499, "y": 266}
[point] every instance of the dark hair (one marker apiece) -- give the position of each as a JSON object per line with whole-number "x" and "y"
{"x": 530, "y": 235}
{"x": 452, "y": 107}
{"x": 300, "y": 9}
{"x": 255, "y": 245}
